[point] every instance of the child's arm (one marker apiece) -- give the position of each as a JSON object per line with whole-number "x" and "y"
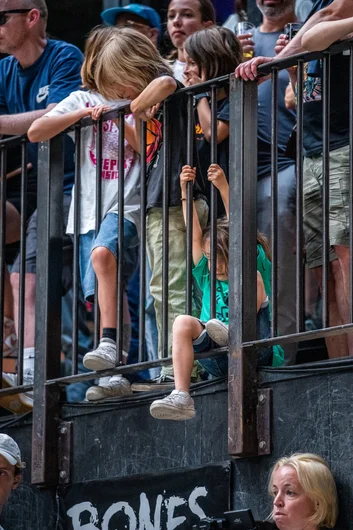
{"x": 204, "y": 113}
{"x": 158, "y": 90}
{"x": 188, "y": 174}
{"x": 261, "y": 293}
{"x": 216, "y": 175}
{"x": 47, "y": 127}
{"x": 324, "y": 34}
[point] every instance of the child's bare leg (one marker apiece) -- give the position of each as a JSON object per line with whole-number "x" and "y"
{"x": 185, "y": 329}
{"x": 105, "y": 267}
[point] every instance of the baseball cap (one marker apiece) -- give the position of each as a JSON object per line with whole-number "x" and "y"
{"x": 10, "y": 450}
{"x": 147, "y": 13}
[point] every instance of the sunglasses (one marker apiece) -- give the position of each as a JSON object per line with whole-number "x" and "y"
{"x": 3, "y": 19}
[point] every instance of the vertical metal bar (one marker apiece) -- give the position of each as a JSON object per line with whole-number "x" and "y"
{"x": 213, "y": 205}
{"x": 22, "y": 280}
{"x": 274, "y": 202}
{"x": 242, "y": 388}
{"x": 99, "y": 144}
{"x": 143, "y": 257}
{"x": 48, "y": 310}
{"x": 325, "y": 186}
{"x": 351, "y": 183}
{"x": 3, "y": 161}
{"x": 165, "y": 228}
{"x": 120, "y": 268}
{"x": 189, "y": 204}
{"x": 299, "y": 203}
{"x": 76, "y": 240}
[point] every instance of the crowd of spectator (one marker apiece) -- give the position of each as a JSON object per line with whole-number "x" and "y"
{"x": 47, "y": 85}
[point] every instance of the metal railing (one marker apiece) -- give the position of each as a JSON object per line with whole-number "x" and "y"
{"x": 246, "y": 419}
{"x": 244, "y": 401}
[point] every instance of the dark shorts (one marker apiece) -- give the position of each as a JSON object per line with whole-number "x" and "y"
{"x": 215, "y": 366}
{"x": 218, "y": 366}
{"x": 31, "y": 247}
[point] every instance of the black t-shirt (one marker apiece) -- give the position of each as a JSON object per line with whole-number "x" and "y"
{"x": 339, "y": 87}
{"x": 265, "y": 46}
{"x": 204, "y": 150}
{"x": 156, "y": 130}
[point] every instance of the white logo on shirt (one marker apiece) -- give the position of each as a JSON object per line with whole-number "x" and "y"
{"x": 42, "y": 94}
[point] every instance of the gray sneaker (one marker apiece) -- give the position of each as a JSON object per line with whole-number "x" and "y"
{"x": 117, "y": 386}
{"x": 103, "y": 358}
{"x": 28, "y": 379}
{"x": 162, "y": 382}
{"x": 177, "y": 406}
{"x": 218, "y": 331}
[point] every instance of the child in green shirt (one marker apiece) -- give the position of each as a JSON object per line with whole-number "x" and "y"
{"x": 190, "y": 333}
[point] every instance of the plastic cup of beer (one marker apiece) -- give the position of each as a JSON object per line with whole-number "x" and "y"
{"x": 245, "y": 28}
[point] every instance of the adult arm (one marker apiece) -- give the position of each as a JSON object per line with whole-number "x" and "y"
{"x": 339, "y": 9}
{"x": 19, "y": 123}
{"x": 324, "y": 34}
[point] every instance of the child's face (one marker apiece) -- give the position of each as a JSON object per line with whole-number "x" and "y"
{"x": 184, "y": 18}
{"x": 192, "y": 71}
{"x": 125, "y": 92}
{"x": 221, "y": 268}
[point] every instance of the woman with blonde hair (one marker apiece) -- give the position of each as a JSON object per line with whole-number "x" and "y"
{"x": 304, "y": 493}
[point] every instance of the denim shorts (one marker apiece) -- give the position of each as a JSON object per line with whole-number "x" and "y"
{"x": 218, "y": 366}
{"x": 215, "y": 366}
{"x": 107, "y": 237}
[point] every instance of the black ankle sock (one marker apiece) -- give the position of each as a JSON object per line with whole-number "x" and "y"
{"x": 109, "y": 333}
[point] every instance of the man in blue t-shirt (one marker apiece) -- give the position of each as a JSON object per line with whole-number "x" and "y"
{"x": 324, "y": 10}
{"x": 37, "y": 75}
{"x": 263, "y": 42}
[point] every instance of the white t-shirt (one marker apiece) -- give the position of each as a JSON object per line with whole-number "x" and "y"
{"x": 110, "y": 175}
{"x": 178, "y": 70}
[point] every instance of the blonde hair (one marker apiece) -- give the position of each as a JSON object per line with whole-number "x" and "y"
{"x": 317, "y": 481}
{"x": 128, "y": 58}
{"x": 94, "y": 43}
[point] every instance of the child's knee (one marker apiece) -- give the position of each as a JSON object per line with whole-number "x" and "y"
{"x": 103, "y": 260}
{"x": 183, "y": 324}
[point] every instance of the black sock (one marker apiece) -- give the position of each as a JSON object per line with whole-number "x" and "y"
{"x": 109, "y": 333}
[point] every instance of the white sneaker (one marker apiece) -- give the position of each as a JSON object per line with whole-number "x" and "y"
{"x": 117, "y": 386}
{"x": 218, "y": 331}
{"x": 177, "y": 406}
{"x": 28, "y": 379}
{"x": 103, "y": 358}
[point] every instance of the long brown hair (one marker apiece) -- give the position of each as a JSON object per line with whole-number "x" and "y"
{"x": 215, "y": 50}
{"x": 222, "y": 240}
{"x": 263, "y": 241}
{"x": 97, "y": 38}
{"x": 128, "y": 58}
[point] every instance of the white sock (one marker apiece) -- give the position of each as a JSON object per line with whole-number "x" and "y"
{"x": 28, "y": 358}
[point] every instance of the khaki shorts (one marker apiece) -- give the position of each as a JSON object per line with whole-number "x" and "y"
{"x": 338, "y": 204}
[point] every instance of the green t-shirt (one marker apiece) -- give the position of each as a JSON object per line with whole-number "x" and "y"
{"x": 264, "y": 266}
{"x": 203, "y": 278}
